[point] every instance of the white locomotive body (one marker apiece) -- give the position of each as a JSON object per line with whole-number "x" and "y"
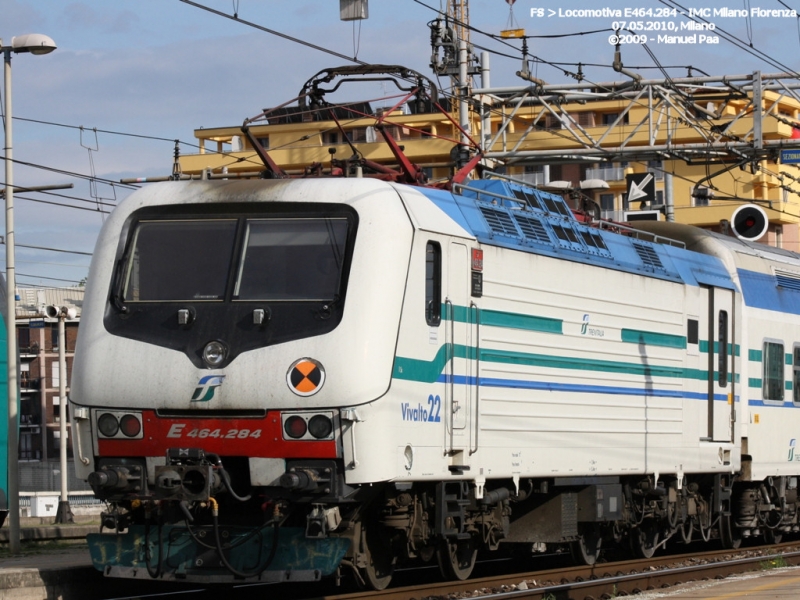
{"x": 354, "y": 373}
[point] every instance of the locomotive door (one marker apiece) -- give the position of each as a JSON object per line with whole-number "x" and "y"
{"x": 721, "y": 365}
{"x": 460, "y": 366}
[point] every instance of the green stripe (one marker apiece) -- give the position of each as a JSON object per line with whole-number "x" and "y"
{"x": 755, "y": 355}
{"x": 736, "y": 350}
{"x": 582, "y": 364}
{"x": 411, "y": 369}
{"x": 754, "y": 383}
{"x": 496, "y": 318}
{"x": 509, "y": 320}
{"x": 635, "y": 336}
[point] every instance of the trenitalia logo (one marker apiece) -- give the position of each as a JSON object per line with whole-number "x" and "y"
{"x": 585, "y": 324}
{"x": 207, "y": 387}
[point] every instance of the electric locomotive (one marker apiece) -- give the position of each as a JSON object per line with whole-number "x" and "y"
{"x": 290, "y": 379}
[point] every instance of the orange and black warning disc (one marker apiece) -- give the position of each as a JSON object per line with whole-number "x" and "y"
{"x": 305, "y": 377}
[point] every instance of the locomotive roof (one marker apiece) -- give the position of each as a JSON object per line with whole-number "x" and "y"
{"x": 512, "y": 215}
{"x": 769, "y": 277}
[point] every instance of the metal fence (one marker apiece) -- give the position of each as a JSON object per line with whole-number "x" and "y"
{"x": 76, "y": 499}
{"x": 45, "y": 476}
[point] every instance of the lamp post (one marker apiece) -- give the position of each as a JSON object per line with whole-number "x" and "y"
{"x": 64, "y": 514}
{"x": 34, "y": 43}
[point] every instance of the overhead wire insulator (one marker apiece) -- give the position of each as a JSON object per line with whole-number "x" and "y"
{"x": 176, "y": 164}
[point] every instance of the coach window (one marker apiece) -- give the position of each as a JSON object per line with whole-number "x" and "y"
{"x": 796, "y": 375}
{"x": 722, "y": 350}
{"x": 433, "y": 284}
{"x": 773, "y": 361}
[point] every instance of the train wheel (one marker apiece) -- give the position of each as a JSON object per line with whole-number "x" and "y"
{"x": 729, "y": 535}
{"x": 379, "y": 568}
{"x": 644, "y": 540}
{"x": 457, "y": 559}
{"x": 587, "y": 548}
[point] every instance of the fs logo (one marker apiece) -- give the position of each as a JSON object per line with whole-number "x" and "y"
{"x": 207, "y": 387}
{"x": 585, "y": 325}
{"x": 792, "y": 443}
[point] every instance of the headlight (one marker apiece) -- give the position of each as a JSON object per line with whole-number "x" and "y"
{"x": 108, "y": 425}
{"x": 308, "y": 426}
{"x": 214, "y": 353}
{"x": 320, "y": 426}
{"x": 295, "y": 427}
{"x": 130, "y": 426}
{"x": 119, "y": 425}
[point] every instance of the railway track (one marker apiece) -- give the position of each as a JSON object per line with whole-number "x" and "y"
{"x": 605, "y": 580}
{"x": 602, "y": 581}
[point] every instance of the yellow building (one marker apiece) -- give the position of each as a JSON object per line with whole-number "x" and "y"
{"x": 718, "y": 141}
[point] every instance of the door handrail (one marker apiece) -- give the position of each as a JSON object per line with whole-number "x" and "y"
{"x": 477, "y": 374}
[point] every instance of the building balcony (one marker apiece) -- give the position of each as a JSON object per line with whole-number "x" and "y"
{"x": 29, "y": 384}
{"x": 30, "y": 423}
{"x": 606, "y": 173}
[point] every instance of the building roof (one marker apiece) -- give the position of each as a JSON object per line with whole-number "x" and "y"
{"x": 31, "y": 302}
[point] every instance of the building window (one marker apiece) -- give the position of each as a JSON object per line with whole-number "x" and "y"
{"x": 433, "y": 284}
{"x": 330, "y": 137}
{"x": 656, "y": 167}
{"x": 23, "y": 338}
{"x": 607, "y": 202}
{"x": 26, "y": 451}
{"x": 772, "y": 365}
{"x": 610, "y": 118}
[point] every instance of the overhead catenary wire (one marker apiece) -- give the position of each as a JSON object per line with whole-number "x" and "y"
{"x": 236, "y": 18}
{"x": 60, "y": 205}
{"x": 16, "y": 245}
{"x": 43, "y": 277}
{"x": 326, "y": 50}
{"x": 735, "y": 40}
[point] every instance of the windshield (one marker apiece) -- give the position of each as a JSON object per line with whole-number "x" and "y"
{"x": 278, "y": 259}
{"x": 179, "y": 260}
{"x": 292, "y": 259}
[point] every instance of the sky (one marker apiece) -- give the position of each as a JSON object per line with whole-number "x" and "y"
{"x": 131, "y": 76}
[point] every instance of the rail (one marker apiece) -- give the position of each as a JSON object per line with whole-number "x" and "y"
{"x": 604, "y": 580}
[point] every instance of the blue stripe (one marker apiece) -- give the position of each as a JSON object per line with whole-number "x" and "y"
{"x": 774, "y": 403}
{"x": 577, "y": 388}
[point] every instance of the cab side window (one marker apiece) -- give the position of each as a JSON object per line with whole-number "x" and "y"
{"x": 433, "y": 284}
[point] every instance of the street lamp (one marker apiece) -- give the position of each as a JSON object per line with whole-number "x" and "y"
{"x": 64, "y": 514}
{"x": 35, "y": 43}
